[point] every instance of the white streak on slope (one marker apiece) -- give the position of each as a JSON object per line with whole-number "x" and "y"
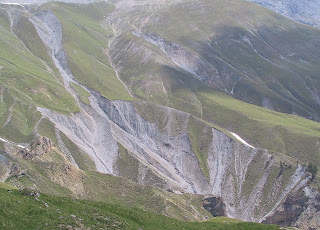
{"x": 241, "y": 140}
{"x": 3, "y": 140}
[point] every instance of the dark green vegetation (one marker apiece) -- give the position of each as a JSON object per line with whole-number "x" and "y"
{"x": 24, "y": 210}
{"x": 313, "y": 169}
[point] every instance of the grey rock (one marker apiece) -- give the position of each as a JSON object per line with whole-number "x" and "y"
{"x": 305, "y": 11}
{"x": 38, "y": 147}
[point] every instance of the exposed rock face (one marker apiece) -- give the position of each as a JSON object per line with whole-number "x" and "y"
{"x": 298, "y": 209}
{"x": 167, "y": 153}
{"x": 50, "y": 31}
{"x": 292, "y": 208}
{"x": 17, "y": 171}
{"x": 304, "y": 11}
{"x": 243, "y": 177}
{"x": 171, "y": 158}
{"x": 187, "y": 60}
{"x": 215, "y": 206}
{"x": 38, "y": 147}
{"x": 5, "y": 166}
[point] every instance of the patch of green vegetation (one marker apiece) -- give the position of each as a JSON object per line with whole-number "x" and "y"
{"x": 22, "y": 210}
{"x": 253, "y": 175}
{"x": 17, "y": 118}
{"x": 26, "y": 78}
{"x": 47, "y": 129}
{"x": 81, "y": 92}
{"x": 200, "y": 136}
{"x": 166, "y": 119}
{"x": 22, "y": 182}
{"x": 85, "y": 39}
{"x": 4, "y": 20}
{"x": 26, "y": 32}
{"x": 264, "y": 128}
{"x": 272, "y": 178}
{"x": 7, "y": 186}
{"x": 127, "y": 165}
{"x": 82, "y": 159}
{"x": 153, "y": 113}
{"x": 118, "y": 190}
{"x": 313, "y": 169}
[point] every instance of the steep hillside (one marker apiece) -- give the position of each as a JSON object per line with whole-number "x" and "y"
{"x": 248, "y": 52}
{"x": 177, "y": 63}
{"x": 27, "y": 80}
{"x": 44, "y": 168}
{"x": 148, "y": 91}
{"x": 28, "y": 209}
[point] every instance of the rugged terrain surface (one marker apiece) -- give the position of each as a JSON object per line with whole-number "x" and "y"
{"x": 145, "y": 90}
{"x": 302, "y": 11}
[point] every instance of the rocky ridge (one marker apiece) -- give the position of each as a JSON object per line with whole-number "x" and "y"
{"x": 38, "y": 147}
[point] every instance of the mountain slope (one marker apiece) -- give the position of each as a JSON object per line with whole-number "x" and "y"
{"x": 44, "y": 168}
{"x": 174, "y": 67}
{"x": 50, "y": 212}
{"x": 154, "y": 103}
{"x": 248, "y": 52}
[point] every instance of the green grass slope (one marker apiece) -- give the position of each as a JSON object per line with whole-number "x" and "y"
{"x": 23, "y": 210}
{"x": 86, "y": 37}
{"x": 259, "y": 55}
{"x": 265, "y": 71}
{"x": 28, "y": 76}
{"x": 27, "y": 79}
{"x": 52, "y": 173}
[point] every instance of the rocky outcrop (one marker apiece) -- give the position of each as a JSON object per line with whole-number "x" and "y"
{"x": 298, "y": 209}
{"x": 30, "y": 192}
{"x": 17, "y": 171}
{"x": 38, "y": 147}
{"x": 215, "y": 206}
{"x": 5, "y": 166}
